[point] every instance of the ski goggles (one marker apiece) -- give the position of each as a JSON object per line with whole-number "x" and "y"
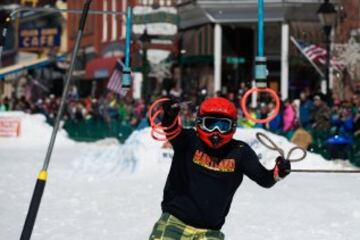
{"x": 210, "y": 124}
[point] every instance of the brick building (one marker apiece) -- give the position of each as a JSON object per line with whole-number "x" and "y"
{"x": 100, "y": 30}
{"x": 347, "y": 30}
{"x": 348, "y": 19}
{"x": 102, "y": 43}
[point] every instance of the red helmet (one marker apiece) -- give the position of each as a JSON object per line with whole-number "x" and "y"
{"x": 216, "y": 121}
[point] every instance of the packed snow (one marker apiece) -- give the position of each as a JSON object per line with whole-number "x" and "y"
{"x": 109, "y": 191}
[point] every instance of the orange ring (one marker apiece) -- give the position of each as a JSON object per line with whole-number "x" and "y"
{"x": 157, "y": 128}
{"x": 259, "y": 90}
{"x": 168, "y": 137}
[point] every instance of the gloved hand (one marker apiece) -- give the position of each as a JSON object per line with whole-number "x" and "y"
{"x": 282, "y": 168}
{"x": 171, "y": 110}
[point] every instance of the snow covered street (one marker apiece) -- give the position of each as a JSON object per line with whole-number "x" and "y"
{"x": 106, "y": 191}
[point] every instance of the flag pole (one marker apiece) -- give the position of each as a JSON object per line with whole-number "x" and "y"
{"x": 311, "y": 61}
{"x": 126, "y": 78}
{"x": 42, "y": 177}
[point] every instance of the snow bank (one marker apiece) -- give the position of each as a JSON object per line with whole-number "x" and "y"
{"x": 148, "y": 151}
{"x": 35, "y": 132}
{"x": 143, "y": 155}
{"x": 140, "y": 155}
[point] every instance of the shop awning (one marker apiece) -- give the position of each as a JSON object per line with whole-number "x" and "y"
{"x": 100, "y": 67}
{"x": 200, "y": 12}
{"x": 11, "y": 72}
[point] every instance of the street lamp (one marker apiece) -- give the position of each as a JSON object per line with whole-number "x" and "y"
{"x": 327, "y": 17}
{"x": 145, "y": 40}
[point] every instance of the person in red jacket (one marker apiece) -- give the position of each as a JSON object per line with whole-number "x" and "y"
{"x": 207, "y": 168}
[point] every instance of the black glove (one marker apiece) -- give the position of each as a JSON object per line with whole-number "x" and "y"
{"x": 282, "y": 168}
{"x": 171, "y": 110}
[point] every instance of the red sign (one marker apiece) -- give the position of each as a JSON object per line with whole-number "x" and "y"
{"x": 10, "y": 127}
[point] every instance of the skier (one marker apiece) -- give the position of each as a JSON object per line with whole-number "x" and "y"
{"x": 207, "y": 168}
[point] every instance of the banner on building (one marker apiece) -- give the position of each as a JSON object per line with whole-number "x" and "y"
{"x": 39, "y": 38}
{"x": 157, "y": 17}
{"x": 10, "y": 127}
{"x": 163, "y": 21}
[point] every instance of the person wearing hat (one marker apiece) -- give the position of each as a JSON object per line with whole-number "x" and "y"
{"x": 321, "y": 115}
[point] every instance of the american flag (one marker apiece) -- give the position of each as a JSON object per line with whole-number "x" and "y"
{"x": 114, "y": 83}
{"x": 318, "y": 54}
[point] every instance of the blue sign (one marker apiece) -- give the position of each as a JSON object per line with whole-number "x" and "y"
{"x": 101, "y": 73}
{"x": 39, "y": 38}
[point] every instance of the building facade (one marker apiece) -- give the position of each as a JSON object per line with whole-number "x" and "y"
{"x": 219, "y": 42}
{"x": 104, "y": 36}
{"x": 102, "y": 43}
{"x": 32, "y": 43}
{"x": 155, "y": 44}
{"x": 100, "y": 30}
{"x": 347, "y": 49}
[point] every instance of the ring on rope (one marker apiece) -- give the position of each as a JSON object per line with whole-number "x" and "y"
{"x": 272, "y": 146}
{"x": 259, "y": 90}
{"x": 156, "y": 128}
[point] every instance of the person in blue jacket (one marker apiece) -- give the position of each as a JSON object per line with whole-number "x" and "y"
{"x": 306, "y": 108}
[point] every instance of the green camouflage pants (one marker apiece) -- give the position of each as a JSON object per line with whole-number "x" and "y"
{"x": 170, "y": 228}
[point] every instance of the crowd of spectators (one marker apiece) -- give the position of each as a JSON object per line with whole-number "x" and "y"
{"x": 311, "y": 121}
{"x": 313, "y": 112}
{"x": 108, "y": 108}
{"x": 308, "y": 111}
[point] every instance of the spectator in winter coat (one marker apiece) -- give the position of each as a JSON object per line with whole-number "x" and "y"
{"x": 321, "y": 115}
{"x": 247, "y": 123}
{"x": 357, "y": 123}
{"x": 356, "y": 113}
{"x": 2, "y": 106}
{"x": 344, "y": 123}
{"x": 289, "y": 117}
{"x": 6, "y": 103}
{"x": 275, "y": 124}
{"x": 355, "y": 100}
{"x": 335, "y": 116}
{"x": 262, "y": 113}
{"x": 306, "y": 107}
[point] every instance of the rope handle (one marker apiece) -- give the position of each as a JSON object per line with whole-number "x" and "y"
{"x": 270, "y": 144}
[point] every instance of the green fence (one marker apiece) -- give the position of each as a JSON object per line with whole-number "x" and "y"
{"x": 92, "y": 130}
{"x": 352, "y": 152}
{"x": 95, "y": 129}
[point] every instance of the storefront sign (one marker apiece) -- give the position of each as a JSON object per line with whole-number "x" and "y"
{"x": 10, "y": 127}
{"x": 39, "y": 38}
{"x": 157, "y": 17}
